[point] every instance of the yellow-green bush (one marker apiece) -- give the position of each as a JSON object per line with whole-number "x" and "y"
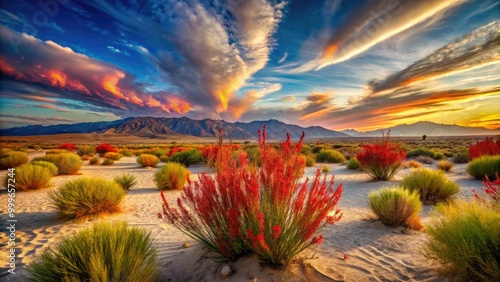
{"x": 484, "y": 166}
{"x": 148, "y": 160}
{"x": 85, "y": 197}
{"x": 94, "y": 161}
{"x": 395, "y": 206}
{"x": 30, "y": 177}
{"x": 432, "y": 185}
{"x": 171, "y": 176}
{"x": 330, "y": 156}
{"x": 126, "y": 181}
{"x": 108, "y": 162}
{"x": 85, "y": 150}
{"x": 105, "y": 252}
{"x": 464, "y": 238}
{"x": 310, "y": 162}
{"x": 353, "y": 164}
{"x": 67, "y": 163}
{"x": 48, "y": 165}
{"x": 13, "y": 159}
{"x": 113, "y": 156}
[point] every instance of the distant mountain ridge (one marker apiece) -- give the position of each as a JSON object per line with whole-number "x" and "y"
{"x": 152, "y": 126}
{"x": 425, "y": 127}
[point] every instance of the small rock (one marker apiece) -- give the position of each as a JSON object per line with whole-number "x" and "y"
{"x": 226, "y": 271}
{"x": 185, "y": 245}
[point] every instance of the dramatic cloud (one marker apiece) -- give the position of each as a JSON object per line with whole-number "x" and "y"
{"x": 372, "y": 23}
{"x": 474, "y": 50}
{"x": 214, "y": 49}
{"x": 239, "y": 106}
{"x": 76, "y": 76}
{"x": 38, "y": 119}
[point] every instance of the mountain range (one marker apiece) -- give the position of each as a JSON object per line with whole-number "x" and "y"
{"x": 154, "y": 126}
{"x": 425, "y": 127}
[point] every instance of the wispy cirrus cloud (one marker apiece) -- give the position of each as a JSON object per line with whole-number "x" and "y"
{"x": 37, "y": 118}
{"x": 74, "y": 76}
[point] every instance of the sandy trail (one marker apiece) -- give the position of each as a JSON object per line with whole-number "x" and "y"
{"x": 376, "y": 252}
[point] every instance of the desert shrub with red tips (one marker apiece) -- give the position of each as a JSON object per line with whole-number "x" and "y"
{"x": 485, "y": 147}
{"x": 264, "y": 210}
{"x": 382, "y": 160}
{"x": 491, "y": 195}
{"x": 68, "y": 147}
{"x": 105, "y": 148}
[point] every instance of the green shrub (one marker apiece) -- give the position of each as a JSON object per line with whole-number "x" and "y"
{"x": 113, "y": 156}
{"x": 108, "y": 162}
{"x": 127, "y": 153}
{"x": 159, "y": 153}
{"x": 94, "y": 161}
{"x": 432, "y": 185}
{"x": 30, "y": 177}
{"x": 395, "y": 206}
{"x": 464, "y": 238}
{"x": 306, "y": 150}
{"x": 148, "y": 160}
{"x": 461, "y": 157}
{"x": 353, "y": 164}
{"x": 330, "y": 156}
{"x": 164, "y": 159}
{"x": 67, "y": 163}
{"x": 171, "y": 176}
{"x": 318, "y": 148}
{"x": 186, "y": 158}
{"x": 85, "y": 150}
{"x": 126, "y": 181}
{"x": 85, "y": 197}
{"x": 48, "y": 165}
{"x": 438, "y": 155}
{"x": 485, "y": 165}
{"x": 310, "y": 161}
{"x": 13, "y": 159}
{"x": 105, "y": 252}
{"x": 420, "y": 152}
{"x": 444, "y": 165}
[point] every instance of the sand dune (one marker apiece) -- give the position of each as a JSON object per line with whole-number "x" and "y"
{"x": 376, "y": 252}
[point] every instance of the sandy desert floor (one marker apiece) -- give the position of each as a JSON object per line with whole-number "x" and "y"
{"x": 376, "y": 252}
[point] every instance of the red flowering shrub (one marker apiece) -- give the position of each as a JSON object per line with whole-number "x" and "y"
{"x": 68, "y": 146}
{"x": 176, "y": 150}
{"x": 492, "y": 191}
{"x": 263, "y": 210}
{"x": 382, "y": 160}
{"x": 105, "y": 148}
{"x": 485, "y": 147}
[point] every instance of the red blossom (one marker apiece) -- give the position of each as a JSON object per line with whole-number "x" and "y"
{"x": 485, "y": 147}
{"x": 317, "y": 240}
{"x": 276, "y": 231}
{"x": 105, "y": 148}
{"x": 346, "y": 257}
{"x": 68, "y": 147}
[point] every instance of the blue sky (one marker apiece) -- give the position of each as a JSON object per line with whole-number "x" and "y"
{"x": 339, "y": 64}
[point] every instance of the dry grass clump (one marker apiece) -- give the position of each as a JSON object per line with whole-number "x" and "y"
{"x": 108, "y": 162}
{"x": 86, "y": 197}
{"x": 30, "y": 177}
{"x": 13, "y": 159}
{"x": 464, "y": 238}
{"x": 105, "y": 252}
{"x": 396, "y": 206}
{"x": 85, "y": 150}
{"x": 444, "y": 165}
{"x": 411, "y": 164}
{"x": 94, "y": 161}
{"x": 310, "y": 161}
{"x": 432, "y": 185}
{"x": 126, "y": 181}
{"x": 461, "y": 157}
{"x": 146, "y": 160}
{"x": 172, "y": 176}
{"x": 425, "y": 159}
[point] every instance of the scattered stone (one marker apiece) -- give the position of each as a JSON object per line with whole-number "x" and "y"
{"x": 226, "y": 271}
{"x": 186, "y": 245}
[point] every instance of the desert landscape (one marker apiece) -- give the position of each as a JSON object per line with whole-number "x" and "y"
{"x": 359, "y": 247}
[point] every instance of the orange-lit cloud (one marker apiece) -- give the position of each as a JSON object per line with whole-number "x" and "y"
{"x": 371, "y": 24}
{"x": 475, "y": 50}
{"x": 238, "y": 107}
{"x": 75, "y": 76}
